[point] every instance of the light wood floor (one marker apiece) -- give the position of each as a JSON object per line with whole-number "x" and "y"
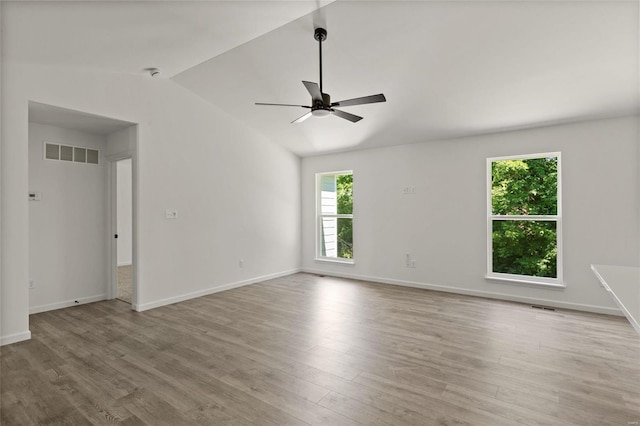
{"x": 311, "y": 350}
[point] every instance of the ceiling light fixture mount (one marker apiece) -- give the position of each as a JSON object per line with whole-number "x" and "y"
{"x": 320, "y": 34}
{"x": 321, "y": 105}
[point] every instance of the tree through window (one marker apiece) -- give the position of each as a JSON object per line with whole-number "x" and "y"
{"x": 524, "y": 220}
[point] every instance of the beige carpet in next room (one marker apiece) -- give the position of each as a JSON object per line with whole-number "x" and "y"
{"x": 124, "y": 283}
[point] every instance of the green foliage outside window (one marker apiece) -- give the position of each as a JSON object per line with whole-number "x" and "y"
{"x": 344, "y": 189}
{"x": 525, "y": 248}
{"x": 523, "y": 188}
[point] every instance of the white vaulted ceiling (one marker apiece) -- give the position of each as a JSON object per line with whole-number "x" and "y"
{"x": 129, "y": 36}
{"x": 447, "y": 68}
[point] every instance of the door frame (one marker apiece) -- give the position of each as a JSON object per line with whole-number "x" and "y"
{"x": 112, "y": 245}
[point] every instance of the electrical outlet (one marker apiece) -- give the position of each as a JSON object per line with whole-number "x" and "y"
{"x": 408, "y": 190}
{"x": 413, "y": 263}
{"x": 170, "y": 214}
{"x": 241, "y": 263}
{"x": 32, "y": 284}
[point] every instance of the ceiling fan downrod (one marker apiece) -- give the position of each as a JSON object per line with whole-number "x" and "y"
{"x": 320, "y": 34}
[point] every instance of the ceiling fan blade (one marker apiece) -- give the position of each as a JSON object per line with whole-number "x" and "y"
{"x": 302, "y": 118}
{"x": 303, "y": 106}
{"x": 351, "y": 117}
{"x": 359, "y": 101}
{"x": 314, "y": 90}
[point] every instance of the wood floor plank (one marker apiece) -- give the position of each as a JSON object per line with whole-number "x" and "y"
{"x": 307, "y": 350}
{"x": 428, "y": 401}
{"x": 513, "y": 412}
{"x": 371, "y": 397}
{"x": 360, "y": 412}
{"x": 291, "y": 403}
{"x": 228, "y": 398}
{"x": 277, "y": 378}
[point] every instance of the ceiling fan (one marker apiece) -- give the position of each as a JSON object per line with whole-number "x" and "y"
{"x": 321, "y": 105}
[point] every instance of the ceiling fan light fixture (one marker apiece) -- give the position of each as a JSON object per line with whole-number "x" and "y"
{"x": 321, "y": 113}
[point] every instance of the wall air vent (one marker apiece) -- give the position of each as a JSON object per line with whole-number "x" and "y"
{"x": 75, "y": 154}
{"x": 79, "y": 155}
{"x": 92, "y": 156}
{"x": 66, "y": 153}
{"x": 543, "y": 308}
{"x": 51, "y": 151}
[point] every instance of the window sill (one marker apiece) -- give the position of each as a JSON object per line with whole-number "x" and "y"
{"x": 335, "y": 260}
{"x": 531, "y": 282}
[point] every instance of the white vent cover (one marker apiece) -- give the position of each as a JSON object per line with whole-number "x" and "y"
{"x": 66, "y": 153}
{"x": 76, "y": 154}
{"x": 79, "y": 155}
{"x": 51, "y": 151}
{"x": 93, "y": 156}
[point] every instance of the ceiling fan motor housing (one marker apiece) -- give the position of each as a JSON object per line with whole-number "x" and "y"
{"x": 325, "y": 103}
{"x": 322, "y": 108}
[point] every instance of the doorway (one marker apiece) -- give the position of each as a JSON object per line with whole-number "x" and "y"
{"x": 124, "y": 229}
{"x": 71, "y": 259}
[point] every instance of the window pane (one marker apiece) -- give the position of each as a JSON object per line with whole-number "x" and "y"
{"x": 328, "y": 199}
{"x": 345, "y": 238}
{"x": 337, "y": 237}
{"x": 335, "y": 198}
{"x": 329, "y": 236}
{"x": 344, "y": 189}
{"x": 523, "y": 247}
{"x": 525, "y": 187}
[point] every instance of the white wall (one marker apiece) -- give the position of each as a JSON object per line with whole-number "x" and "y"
{"x": 443, "y": 225}
{"x": 67, "y": 228}
{"x": 20, "y": 335}
{"x": 237, "y": 194}
{"x": 124, "y": 211}
{"x": 121, "y": 143}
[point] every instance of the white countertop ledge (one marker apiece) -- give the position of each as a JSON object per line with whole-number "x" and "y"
{"x": 623, "y": 284}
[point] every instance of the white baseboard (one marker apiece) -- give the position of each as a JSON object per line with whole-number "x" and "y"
{"x": 210, "y": 290}
{"x": 66, "y": 304}
{"x": 486, "y": 294}
{"x": 15, "y": 338}
{"x": 125, "y": 263}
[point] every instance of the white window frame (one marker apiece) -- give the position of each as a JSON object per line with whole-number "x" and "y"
{"x": 320, "y": 216}
{"x": 525, "y": 279}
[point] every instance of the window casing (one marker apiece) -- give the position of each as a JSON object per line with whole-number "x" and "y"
{"x": 334, "y": 213}
{"x": 524, "y": 219}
